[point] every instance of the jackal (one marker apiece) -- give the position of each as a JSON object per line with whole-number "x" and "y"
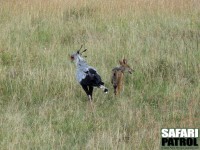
{"x": 118, "y": 75}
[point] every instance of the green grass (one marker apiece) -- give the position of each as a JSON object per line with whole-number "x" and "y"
{"x": 43, "y": 107}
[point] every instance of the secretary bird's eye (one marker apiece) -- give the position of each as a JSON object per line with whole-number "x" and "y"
{"x": 72, "y": 57}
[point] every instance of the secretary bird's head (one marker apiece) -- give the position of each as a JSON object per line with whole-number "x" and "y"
{"x": 77, "y": 56}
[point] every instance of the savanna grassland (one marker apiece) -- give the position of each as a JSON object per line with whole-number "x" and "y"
{"x": 43, "y": 107}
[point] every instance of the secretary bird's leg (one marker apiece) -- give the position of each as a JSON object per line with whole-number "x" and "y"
{"x": 85, "y": 89}
{"x": 90, "y": 92}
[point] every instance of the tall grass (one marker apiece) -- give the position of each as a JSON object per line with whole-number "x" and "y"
{"x": 43, "y": 107}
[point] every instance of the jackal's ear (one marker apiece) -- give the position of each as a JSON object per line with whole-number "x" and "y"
{"x": 124, "y": 61}
{"x": 121, "y": 62}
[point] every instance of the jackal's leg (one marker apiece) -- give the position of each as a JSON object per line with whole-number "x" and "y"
{"x": 119, "y": 86}
{"x": 122, "y": 82}
{"x": 115, "y": 89}
{"x": 118, "y": 89}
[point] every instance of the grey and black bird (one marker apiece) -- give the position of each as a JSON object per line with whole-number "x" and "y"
{"x": 86, "y": 75}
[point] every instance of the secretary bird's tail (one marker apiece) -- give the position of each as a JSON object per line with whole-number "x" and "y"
{"x": 103, "y": 87}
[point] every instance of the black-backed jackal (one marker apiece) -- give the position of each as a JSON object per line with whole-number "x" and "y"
{"x": 118, "y": 75}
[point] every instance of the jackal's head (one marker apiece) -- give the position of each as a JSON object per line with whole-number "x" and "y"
{"x": 125, "y": 67}
{"x": 77, "y": 55}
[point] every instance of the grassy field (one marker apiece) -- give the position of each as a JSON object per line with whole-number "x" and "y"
{"x": 43, "y": 107}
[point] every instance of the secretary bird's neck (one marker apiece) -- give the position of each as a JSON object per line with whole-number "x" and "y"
{"x": 80, "y": 62}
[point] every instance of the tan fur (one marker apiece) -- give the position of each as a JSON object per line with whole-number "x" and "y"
{"x": 117, "y": 78}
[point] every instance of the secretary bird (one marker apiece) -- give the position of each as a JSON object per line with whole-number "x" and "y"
{"x": 86, "y": 75}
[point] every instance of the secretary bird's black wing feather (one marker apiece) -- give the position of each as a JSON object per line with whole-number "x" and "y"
{"x": 92, "y": 78}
